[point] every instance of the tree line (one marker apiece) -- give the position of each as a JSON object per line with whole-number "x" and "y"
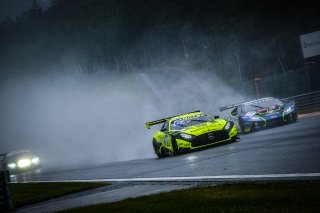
{"x": 227, "y": 37}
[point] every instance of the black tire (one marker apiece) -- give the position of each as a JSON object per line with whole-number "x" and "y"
{"x": 174, "y": 146}
{"x": 156, "y": 148}
{"x": 252, "y": 129}
{"x": 294, "y": 117}
{"x": 234, "y": 138}
{"x": 241, "y": 124}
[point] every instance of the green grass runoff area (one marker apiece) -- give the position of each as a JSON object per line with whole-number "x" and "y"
{"x": 29, "y": 193}
{"x": 240, "y": 197}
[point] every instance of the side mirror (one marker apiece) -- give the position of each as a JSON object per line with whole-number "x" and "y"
{"x": 163, "y": 129}
{"x": 216, "y": 116}
{"x": 234, "y": 113}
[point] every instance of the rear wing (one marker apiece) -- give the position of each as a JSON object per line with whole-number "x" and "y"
{"x": 148, "y": 124}
{"x": 228, "y": 107}
{"x": 246, "y": 103}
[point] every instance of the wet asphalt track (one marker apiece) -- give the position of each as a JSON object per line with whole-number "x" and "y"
{"x": 293, "y": 149}
{"x": 288, "y": 149}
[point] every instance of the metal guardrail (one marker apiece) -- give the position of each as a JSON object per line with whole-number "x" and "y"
{"x": 305, "y": 103}
{"x": 6, "y": 202}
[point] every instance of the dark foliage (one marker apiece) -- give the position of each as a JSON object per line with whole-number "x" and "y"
{"x": 260, "y": 37}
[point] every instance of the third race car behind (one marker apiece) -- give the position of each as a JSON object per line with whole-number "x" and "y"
{"x": 191, "y": 131}
{"x": 20, "y": 161}
{"x": 264, "y": 112}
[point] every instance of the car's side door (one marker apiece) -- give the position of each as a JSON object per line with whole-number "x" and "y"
{"x": 168, "y": 139}
{"x": 166, "y": 136}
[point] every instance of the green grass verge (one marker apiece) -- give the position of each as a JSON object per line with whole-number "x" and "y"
{"x": 30, "y": 193}
{"x": 267, "y": 197}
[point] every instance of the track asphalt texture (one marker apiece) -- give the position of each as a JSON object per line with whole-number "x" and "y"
{"x": 288, "y": 152}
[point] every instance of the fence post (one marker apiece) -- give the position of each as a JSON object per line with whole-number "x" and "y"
{"x": 6, "y": 202}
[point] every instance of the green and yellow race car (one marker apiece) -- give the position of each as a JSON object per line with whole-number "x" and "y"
{"x": 191, "y": 131}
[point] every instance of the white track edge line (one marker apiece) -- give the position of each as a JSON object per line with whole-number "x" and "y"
{"x": 219, "y": 177}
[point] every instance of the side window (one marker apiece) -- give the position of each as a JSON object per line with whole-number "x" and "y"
{"x": 164, "y": 126}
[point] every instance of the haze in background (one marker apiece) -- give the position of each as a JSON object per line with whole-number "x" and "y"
{"x": 88, "y": 119}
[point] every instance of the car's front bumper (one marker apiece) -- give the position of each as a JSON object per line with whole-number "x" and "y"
{"x": 208, "y": 139}
{"x": 269, "y": 122}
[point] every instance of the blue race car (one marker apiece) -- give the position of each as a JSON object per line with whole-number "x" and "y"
{"x": 257, "y": 114}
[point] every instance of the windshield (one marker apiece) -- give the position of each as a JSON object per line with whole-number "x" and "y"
{"x": 261, "y": 104}
{"x": 181, "y": 123}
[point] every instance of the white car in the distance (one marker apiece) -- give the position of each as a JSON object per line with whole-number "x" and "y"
{"x": 20, "y": 161}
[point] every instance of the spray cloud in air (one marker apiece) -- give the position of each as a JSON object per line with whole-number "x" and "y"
{"x": 86, "y": 119}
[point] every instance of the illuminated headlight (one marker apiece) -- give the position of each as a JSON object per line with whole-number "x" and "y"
{"x": 12, "y": 165}
{"x": 35, "y": 160}
{"x": 227, "y": 126}
{"x": 24, "y": 163}
{"x": 185, "y": 136}
{"x": 289, "y": 109}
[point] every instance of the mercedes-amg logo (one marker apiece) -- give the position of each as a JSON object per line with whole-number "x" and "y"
{"x": 210, "y": 136}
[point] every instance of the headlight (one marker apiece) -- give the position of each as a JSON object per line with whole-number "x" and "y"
{"x": 12, "y": 165}
{"x": 24, "y": 163}
{"x": 186, "y": 136}
{"x": 35, "y": 160}
{"x": 227, "y": 126}
{"x": 289, "y": 109}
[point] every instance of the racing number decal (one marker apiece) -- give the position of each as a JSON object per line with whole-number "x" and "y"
{"x": 250, "y": 114}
